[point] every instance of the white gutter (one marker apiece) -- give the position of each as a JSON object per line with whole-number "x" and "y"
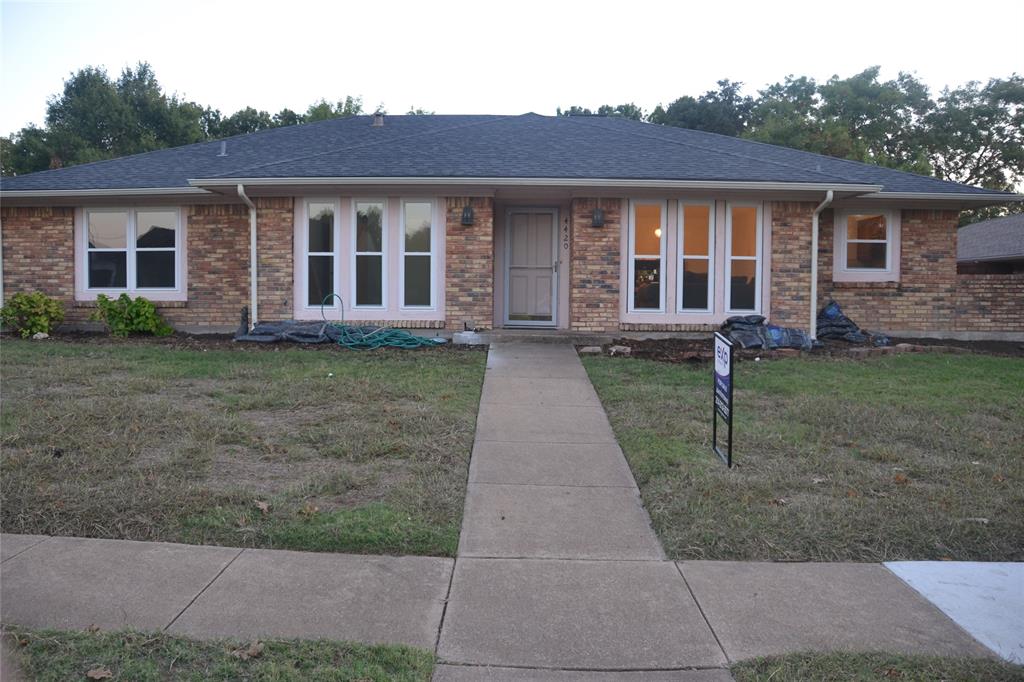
{"x": 124, "y": 192}
{"x": 253, "y": 290}
{"x": 541, "y": 182}
{"x": 813, "y": 327}
{"x": 960, "y": 196}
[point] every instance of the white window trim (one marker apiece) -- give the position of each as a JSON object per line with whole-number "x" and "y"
{"x": 633, "y": 203}
{"x": 681, "y": 256}
{"x": 336, "y": 243}
{"x": 176, "y": 293}
{"x": 432, "y": 254}
{"x": 383, "y": 253}
{"x": 842, "y": 273}
{"x": 757, "y": 258}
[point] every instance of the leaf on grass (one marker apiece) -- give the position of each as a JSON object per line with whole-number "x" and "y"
{"x": 778, "y": 502}
{"x": 93, "y": 628}
{"x": 99, "y": 673}
{"x": 309, "y": 510}
{"x": 253, "y": 650}
{"x": 998, "y": 478}
{"x": 263, "y": 506}
{"x": 901, "y": 479}
{"x": 852, "y": 493}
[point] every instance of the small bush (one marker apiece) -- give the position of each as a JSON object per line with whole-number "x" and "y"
{"x": 125, "y": 315}
{"x": 32, "y": 313}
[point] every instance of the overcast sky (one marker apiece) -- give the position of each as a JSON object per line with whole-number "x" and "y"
{"x": 488, "y": 57}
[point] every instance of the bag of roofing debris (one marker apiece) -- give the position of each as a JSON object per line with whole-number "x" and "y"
{"x": 834, "y": 324}
{"x": 750, "y": 331}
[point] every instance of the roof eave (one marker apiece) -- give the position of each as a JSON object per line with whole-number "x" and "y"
{"x": 105, "y": 192}
{"x": 960, "y": 198}
{"x": 541, "y": 182}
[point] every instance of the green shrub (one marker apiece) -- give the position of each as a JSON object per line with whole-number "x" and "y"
{"x": 125, "y": 315}
{"x": 32, "y": 313}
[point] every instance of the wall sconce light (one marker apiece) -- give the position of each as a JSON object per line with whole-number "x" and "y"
{"x": 597, "y": 220}
{"x": 467, "y": 215}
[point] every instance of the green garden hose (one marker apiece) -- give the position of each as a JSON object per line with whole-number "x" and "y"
{"x": 370, "y": 337}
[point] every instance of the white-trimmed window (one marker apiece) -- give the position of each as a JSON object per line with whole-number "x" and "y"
{"x": 320, "y": 241}
{"x": 369, "y": 271}
{"x": 866, "y": 246}
{"x": 743, "y": 257}
{"x": 696, "y": 278}
{"x": 132, "y": 250}
{"x": 647, "y": 256}
{"x": 417, "y": 254}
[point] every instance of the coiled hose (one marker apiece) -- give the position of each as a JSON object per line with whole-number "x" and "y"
{"x": 370, "y": 337}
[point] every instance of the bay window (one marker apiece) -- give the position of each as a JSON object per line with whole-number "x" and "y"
{"x": 321, "y": 259}
{"x": 370, "y": 239}
{"x": 696, "y": 256}
{"x": 132, "y": 250}
{"x": 743, "y": 257}
{"x": 646, "y": 256}
{"x": 417, "y": 260}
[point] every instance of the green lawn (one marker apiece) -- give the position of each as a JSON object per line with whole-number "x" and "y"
{"x": 327, "y": 450}
{"x": 51, "y": 655}
{"x": 901, "y": 457}
{"x": 872, "y": 667}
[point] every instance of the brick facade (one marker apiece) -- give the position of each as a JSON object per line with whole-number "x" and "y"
{"x": 469, "y": 258}
{"x": 990, "y": 303}
{"x": 39, "y": 252}
{"x": 594, "y": 266}
{"x": 791, "y": 262}
{"x": 275, "y": 231}
{"x": 218, "y": 268}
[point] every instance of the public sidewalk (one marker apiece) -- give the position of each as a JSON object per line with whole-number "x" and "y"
{"x": 559, "y": 575}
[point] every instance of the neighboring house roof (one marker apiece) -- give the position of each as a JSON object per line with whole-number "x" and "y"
{"x": 475, "y": 147}
{"x": 996, "y": 239}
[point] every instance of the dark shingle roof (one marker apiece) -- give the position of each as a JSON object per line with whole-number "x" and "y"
{"x": 527, "y": 146}
{"x": 996, "y": 239}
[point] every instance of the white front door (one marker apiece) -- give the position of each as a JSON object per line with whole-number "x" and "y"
{"x": 531, "y": 267}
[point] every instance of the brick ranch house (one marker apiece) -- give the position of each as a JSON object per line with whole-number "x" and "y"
{"x": 443, "y": 222}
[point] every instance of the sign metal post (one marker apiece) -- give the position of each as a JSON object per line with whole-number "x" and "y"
{"x": 722, "y": 396}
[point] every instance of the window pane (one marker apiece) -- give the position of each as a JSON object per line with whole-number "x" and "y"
{"x": 743, "y": 286}
{"x": 368, "y": 280}
{"x": 417, "y": 280}
{"x": 417, "y": 228}
{"x": 321, "y": 227}
{"x": 695, "y": 230}
{"x": 155, "y": 229}
{"x": 865, "y": 255}
{"x": 647, "y": 284}
{"x": 744, "y": 231}
{"x": 154, "y": 269}
{"x": 865, "y": 227}
{"x": 321, "y": 279}
{"x": 369, "y": 222}
{"x": 695, "y": 283}
{"x": 647, "y": 240}
{"x": 108, "y": 269}
{"x": 108, "y": 230}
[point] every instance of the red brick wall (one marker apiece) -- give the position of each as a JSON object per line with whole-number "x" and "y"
{"x": 990, "y": 303}
{"x": 275, "y": 230}
{"x": 39, "y": 252}
{"x": 218, "y": 267}
{"x": 924, "y": 298}
{"x": 469, "y": 257}
{"x": 594, "y": 266}
{"x": 791, "y": 263}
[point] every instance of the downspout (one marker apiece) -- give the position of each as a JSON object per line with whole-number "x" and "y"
{"x": 813, "y": 327}
{"x": 253, "y": 299}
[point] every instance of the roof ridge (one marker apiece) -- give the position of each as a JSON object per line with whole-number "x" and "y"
{"x": 302, "y": 157}
{"x": 838, "y": 159}
{"x": 720, "y": 151}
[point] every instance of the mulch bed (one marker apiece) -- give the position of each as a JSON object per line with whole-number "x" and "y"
{"x": 702, "y": 350}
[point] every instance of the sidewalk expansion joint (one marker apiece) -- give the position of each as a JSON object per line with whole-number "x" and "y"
{"x": 444, "y": 607}
{"x": 703, "y": 615}
{"x": 489, "y": 557}
{"x": 32, "y": 546}
{"x": 205, "y": 588}
{"x": 669, "y": 669}
{"x": 610, "y": 441}
{"x": 556, "y": 485}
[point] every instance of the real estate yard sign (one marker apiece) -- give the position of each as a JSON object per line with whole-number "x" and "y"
{"x": 722, "y": 396}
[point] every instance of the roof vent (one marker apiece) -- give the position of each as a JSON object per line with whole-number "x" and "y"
{"x": 378, "y": 119}
{"x": 223, "y": 149}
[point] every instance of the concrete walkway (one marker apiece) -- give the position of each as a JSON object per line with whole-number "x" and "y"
{"x": 559, "y": 575}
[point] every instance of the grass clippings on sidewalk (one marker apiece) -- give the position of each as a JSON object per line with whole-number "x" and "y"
{"x": 874, "y": 667}
{"x": 332, "y": 450}
{"x": 52, "y": 656}
{"x": 901, "y": 457}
